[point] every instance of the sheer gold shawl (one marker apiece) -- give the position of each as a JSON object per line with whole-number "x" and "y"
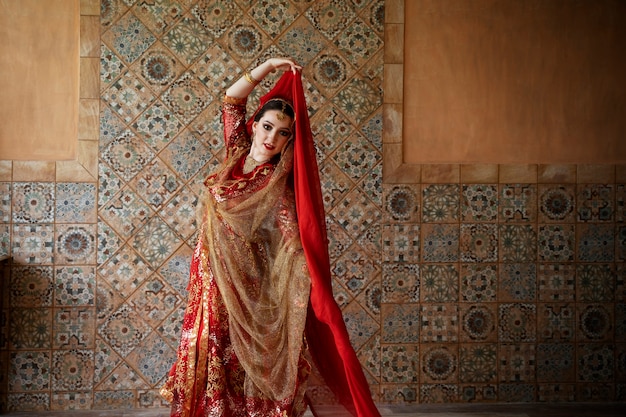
{"x": 255, "y": 254}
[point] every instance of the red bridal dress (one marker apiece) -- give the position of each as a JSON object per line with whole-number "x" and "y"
{"x": 260, "y": 311}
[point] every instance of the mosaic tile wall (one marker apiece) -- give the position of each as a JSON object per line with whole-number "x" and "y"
{"x": 452, "y": 291}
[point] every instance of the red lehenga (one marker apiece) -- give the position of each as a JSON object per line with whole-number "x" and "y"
{"x": 244, "y": 349}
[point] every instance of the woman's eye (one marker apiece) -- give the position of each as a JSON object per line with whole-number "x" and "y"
{"x": 267, "y": 127}
{"x": 284, "y": 133}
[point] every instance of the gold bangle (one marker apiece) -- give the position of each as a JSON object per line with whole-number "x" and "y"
{"x": 249, "y": 78}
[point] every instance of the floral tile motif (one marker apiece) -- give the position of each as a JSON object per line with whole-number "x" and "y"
{"x": 596, "y": 243}
{"x": 75, "y": 286}
{"x": 30, "y": 328}
{"x": 128, "y": 97}
{"x": 479, "y": 242}
{"x": 356, "y": 157}
{"x": 71, "y": 401}
{"x": 374, "y": 14}
{"x": 216, "y": 16}
{"x": 620, "y": 203}
{"x": 208, "y": 126}
{"x": 439, "y": 323}
{"x": 75, "y": 203}
{"x": 128, "y": 37}
{"x": 126, "y": 212}
{"x": 360, "y": 325}
{"x": 401, "y": 243}
{"x": 516, "y": 363}
{"x": 31, "y": 285}
{"x": 438, "y": 393}
{"x": 33, "y": 244}
{"x": 595, "y": 363}
{"x": 400, "y": 364}
{"x": 157, "y": 126}
{"x": 556, "y": 322}
{"x": 273, "y": 16}
{"x": 73, "y": 329}
{"x": 478, "y": 363}
{"x": 216, "y": 69}
{"x": 124, "y": 330}
{"x": 155, "y": 300}
{"x": 357, "y": 100}
{"x": 109, "y": 183}
{"x": 400, "y": 323}
{"x": 111, "y": 10}
{"x": 330, "y": 17}
{"x": 478, "y": 322}
{"x": 556, "y": 243}
{"x": 355, "y": 270}
{"x": 556, "y": 203}
{"x": 478, "y": 282}
{"x": 105, "y": 360}
{"x": 180, "y": 213}
{"x": 517, "y": 393}
{"x": 356, "y": 213}
{"x": 156, "y": 183}
{"x": 29, "y": 371}
{"x": 478, "y": 392}
{"x": 187, "y": 39}
{"x": 398, "y": 394}
{"x": 556, "y": 282}
{"x": 338, "y": 239}
{"x": 127, "y": 155}
{"x": 518, "y": 243}
{"x": 620, "y": 243}
{"x": 479, "y": 203}
{"x": 556, "y": 392}
{"x": 341, "y": 295}
{"x": 358, "y": 42}
{"x": 5, "y": 202}
{"x": 517, "y": 282}
{"x": 157, "y": 68}
{"x": 170, "y": 328}
{"x": 158, "y": 15}
{"x": 440, "y": 203}
{"x": 518, "y": 203}
{"x": 175, "y": 271}
{"x": 517, "y": 322}
{"x": 439, "y": 283}
{"x": 187, "y": 97}
{"x": 121, "y": 399}
{"x": 152, "y": 359}
{"x": 595, "y": 282}
{"x": 111, "y": 67}
{"x": 124, "y": 377}
{"x": 439, "y": 364}
{"x": 156, "y": 242}
{"x": 33, "y": 202}
{"x": 401, "y": 283}
{"x": 107, "y": 300}
{"x": 596, "y": 392}
{"x": 595, "y": 203}
{"x": 125, "y": 271}
{"x": 330, "y": 72}
{"x": 371, "y": 297}
{"x": 330, "y": 128}
{"x": 5, "y": 239}
{"x": 75, "y": 244}
{"x": 401, "y": 203}
{"x": 595, "y": 323}
{"x": 371, "y": 242}
{"x": 440, "y": 242}
{"x": 186, "y": 155}
{"x": 245, "y": 42}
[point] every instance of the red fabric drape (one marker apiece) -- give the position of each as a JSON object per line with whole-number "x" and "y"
{"x": 326, "y": 332}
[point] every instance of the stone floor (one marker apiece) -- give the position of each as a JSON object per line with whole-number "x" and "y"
{"x": 426, "y": 410}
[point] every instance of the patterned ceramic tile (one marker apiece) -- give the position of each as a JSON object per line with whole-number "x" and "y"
{"x": 216, "y": 16}
{"x": 401, "y": 283}
{"x": 186, "y": 155}
{"x": 75, "y": 244}
{"x": 370, "y": 355}
{"x": 478, "y": 363}
{"x": 401, "y": 203}
{"x": 516, "y": 363}
{"x": 158, "y": 15}
{"x": 129, "y": 38}
{"x": 360, "y": 325}
{"x": 596, "y": 243}
{"x": 595, "y": 203}
{"x": 517, "y": 282}
{"x": 440, "y": 242}
{"x": 595, "y": 282}
{"x": 517, "y": 243}
{"x": 356, "y": 157}
{"x": 125, "y": 271}
{"x": 401, "y": 243}
{"x": 595, "y": 392}
{"x": 75, "y": 286}
{"x": 245, "y": 42}
{"x": 517, "y": 322}
{"x": 180, "y": 213}
{"x": 400, "y": 364}
{"x": 273, "y": 16}
{"x": 330, "y": 71}
{"x": 620, "y": 203}
{"x": 338, "y": 239}
{"x": 439, "y": 364}
{"x": 518, "y": 203}
{"x": 108, "y": 242}
{"x": 356, "y": 213}
{"x": 439, "y": 283}
{"x": 478, "y": 392}
{"x": 556, "y": 322}
{"x": 187, "y": 39}
{"x": 31, "y": 286}
{"x": 330, "y": 17}
{"x": 479, "y": 242}
{"x": 157, "y": 126}
{"x": 124, "y": 377}
{"x": 556, "y": 243}
{"x": 398, "y": 394}
{"x": 5, "y": 202}
{"x": 73, "y": 329}
{"x": 109, "y": 183}
{"x": 33, "y": 202}
{"x": 5, "y": 239}
{"x": 110, "y": 11}
{"x": 75, "y": 203}
{"x": 113, "y": 400}
{"x": 157, "y": 68}
{"x": 440, "y": 203}
{"x": 620, "y": 323}
{"x": 216, "y": 69}
{"x": 478, "y": 322}
{"x": 357, "y": 99}
{"x": 358, "y": 42}
{"x": 438, "y": 393}
{"x": 126, "y": 212}
{"x": 371, "y": 297}
{"x": 128, "y": 96}
{"x": 152, "y": 359}
{"x": 127, "y": 155}
{"x": 479, "y": 203}
{"x": 30, "y": 328}
{"x": 187, "y": 97}
{"x": 595, "y": 362}
{"x": 439, "y": 323}
{"x": 355, "y": 270}
{"x": 124, "y": 330}
{"x": 620, "y": 243}
{"x": 156, "y": 183}
{"x": 170, "y": 328}
{"x": 400, "y": 323}
{"x": 620, "y": 282}
{"x": 155, "y": 299}
{"x": 595, "y": 323}
{"x": 71, "y": 401}
{"x": 33, "y": 244}
{"x": 556, "y": 282}
{"x": 516, "y": 393}
{"x": 479, "y": 282}
{"x": 29, "y": 371}
{"x": 111, "y": 67}
{"x": 556, "y": 392}
{"x": 556, "y": 203}
{"x": 156, "y": 242}
{"x": 105, "y": 360}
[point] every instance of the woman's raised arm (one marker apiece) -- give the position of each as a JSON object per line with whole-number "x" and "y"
{"x": 244, "y": 85}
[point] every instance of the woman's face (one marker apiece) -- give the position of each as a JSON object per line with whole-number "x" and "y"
{"x": 270, "y": 134}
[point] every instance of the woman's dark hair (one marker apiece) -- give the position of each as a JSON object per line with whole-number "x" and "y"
{"x": 279, "y": 104}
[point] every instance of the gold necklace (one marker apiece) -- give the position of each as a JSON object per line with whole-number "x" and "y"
{"x": 250, "y": 163}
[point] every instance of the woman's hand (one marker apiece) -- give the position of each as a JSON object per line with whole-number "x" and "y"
{"x": 244, "y": 85}
{"x": 284, "y": 64}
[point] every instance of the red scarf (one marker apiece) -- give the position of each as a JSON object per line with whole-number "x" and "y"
{"x": 326, "y": 332}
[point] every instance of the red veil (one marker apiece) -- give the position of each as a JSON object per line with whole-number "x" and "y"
{"x": 326, "y": 333}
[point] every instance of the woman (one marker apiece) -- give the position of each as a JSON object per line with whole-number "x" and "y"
{"x": 259, "y": 291}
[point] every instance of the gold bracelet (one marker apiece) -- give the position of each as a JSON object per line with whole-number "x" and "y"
{"x": 249, "y": 78}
